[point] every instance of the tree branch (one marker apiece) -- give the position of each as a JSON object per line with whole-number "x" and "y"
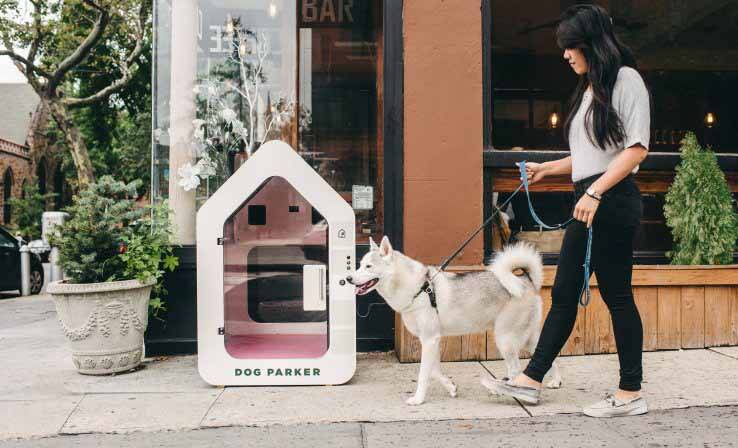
{"x": 23, "y": 65}
{"x": 36, "y": 36}
{"x": 83, "y": 49}
{"x": 128, "y": 67}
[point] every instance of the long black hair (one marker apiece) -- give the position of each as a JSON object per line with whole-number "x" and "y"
{"x": 589, "y": 28}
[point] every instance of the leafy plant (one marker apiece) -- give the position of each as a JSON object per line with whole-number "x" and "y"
{"x": 108, "y": 237}
{"x": 27, "y": 211}
{"x": 699, "y": 209}
{"x": 147, "y": 252}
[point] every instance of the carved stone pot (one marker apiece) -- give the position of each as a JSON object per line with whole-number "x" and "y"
{"x": 104, "y": 323}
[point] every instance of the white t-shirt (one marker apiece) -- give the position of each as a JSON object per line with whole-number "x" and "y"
{"x": 630, "y": 100}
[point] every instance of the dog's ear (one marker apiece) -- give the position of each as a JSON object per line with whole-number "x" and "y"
{"x": 372, "y": 245}
{"x": 385, "y": 248}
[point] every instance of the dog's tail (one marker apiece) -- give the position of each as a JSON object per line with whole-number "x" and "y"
{"x": 518, "y": 256}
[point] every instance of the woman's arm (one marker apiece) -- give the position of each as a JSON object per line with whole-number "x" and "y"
{"x": 620, "y": 167}
{"x": 537, "y": 171}
{"x": 558, "y": 167}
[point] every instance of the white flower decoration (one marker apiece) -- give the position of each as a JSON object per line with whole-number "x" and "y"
{"x": 198, "y": 148}
{"x": 199, "y": 134}
{"x": 205, "y": 167}
{"x": 239, "y": 129}
{"x": 228, "y": 114}
{"x": 189, "y": 177}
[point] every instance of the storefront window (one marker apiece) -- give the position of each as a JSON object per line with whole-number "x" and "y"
{"x": 685, "y": 53}
{"x": 233, "y": 75}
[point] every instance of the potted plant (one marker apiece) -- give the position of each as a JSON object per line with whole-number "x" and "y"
{"x": 698, "y": 204}
{"x": 113, "y": 253}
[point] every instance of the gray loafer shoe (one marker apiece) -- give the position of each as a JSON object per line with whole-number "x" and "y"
{"x": 612, "y": 407}
{"x": 529, "y": 395}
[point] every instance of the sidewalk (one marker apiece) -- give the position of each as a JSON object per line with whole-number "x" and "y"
{"x": 41, "y": 395}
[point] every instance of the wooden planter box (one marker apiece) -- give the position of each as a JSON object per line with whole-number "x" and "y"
{"x": 681, "y": 307}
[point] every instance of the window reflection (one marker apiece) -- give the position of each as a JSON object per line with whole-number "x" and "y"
{"x": 306, "y": 72}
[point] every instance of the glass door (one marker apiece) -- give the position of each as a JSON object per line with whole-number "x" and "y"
{"x": 340, "y": 95}
{"x": 275, "y": 252}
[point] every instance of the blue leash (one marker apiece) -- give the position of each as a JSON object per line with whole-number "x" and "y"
{"x": 524, "y": 184}
{"x": 584, "y": 295}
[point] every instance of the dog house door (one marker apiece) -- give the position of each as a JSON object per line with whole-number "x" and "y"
{"x": 275, "y": 249}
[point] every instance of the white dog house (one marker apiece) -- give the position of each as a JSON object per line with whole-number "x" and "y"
{"x": 274, "y": 246}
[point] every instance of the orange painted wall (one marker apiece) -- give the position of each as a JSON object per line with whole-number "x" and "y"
{"x": 443, "y": 128}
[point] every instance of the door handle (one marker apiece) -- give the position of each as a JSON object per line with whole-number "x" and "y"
{"x": 313, "y": 287}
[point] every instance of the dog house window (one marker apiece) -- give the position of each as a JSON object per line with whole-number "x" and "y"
{"x": 256, "y": 215}
{"x": 274, "y": 274}
{"x": 233, "y": 75}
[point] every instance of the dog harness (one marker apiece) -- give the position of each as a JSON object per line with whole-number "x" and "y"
{"x": 426, "y": 288}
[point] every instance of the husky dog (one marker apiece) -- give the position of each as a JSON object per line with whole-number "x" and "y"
{"x": 450, "y": 304}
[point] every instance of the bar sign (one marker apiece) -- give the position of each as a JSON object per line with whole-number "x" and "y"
{"x": 326, "y": 13}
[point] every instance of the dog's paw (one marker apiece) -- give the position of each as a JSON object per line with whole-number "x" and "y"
{"x": 452, "y": 390}
{"x": 414, "y": 401}
{"x": 489, "y": 385}
{"x": 554, "y": 384}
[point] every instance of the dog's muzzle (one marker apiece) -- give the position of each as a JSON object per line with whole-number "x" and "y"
{"x": 363, "y": 288}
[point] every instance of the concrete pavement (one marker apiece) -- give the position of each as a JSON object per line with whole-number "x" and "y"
{"x": 693, "y": 427}
{"x": 41, "y": 395}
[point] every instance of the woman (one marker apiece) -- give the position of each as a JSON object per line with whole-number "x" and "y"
{"x": 608, "y": 131}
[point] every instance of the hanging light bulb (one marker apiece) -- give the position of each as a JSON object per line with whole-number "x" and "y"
{"x": 272, "y": 9}
{"x": 553, "y": 120}
{"x": 242, "y": 49}
{"x": 710, "y": 120}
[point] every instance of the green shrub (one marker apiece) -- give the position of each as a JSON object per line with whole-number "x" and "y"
{"x": 108, "y": 237}
{"x": 699, "y": 209}
{"x": 27, "y": 211}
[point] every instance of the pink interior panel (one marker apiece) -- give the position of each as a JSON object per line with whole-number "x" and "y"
{"x": 277, "y": 346}
{"x": 263, "y": 261}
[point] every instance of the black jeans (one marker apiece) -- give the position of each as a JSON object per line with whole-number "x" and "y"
{"x": 614, "y": 230}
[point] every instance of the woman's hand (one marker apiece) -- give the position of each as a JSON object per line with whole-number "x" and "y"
{"x": 585, "y": 209}
{"x": 535, "y": 171}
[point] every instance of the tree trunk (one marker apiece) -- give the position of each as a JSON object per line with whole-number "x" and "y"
{"x": 77, "y": 146}
{"x": 36, "y": 137}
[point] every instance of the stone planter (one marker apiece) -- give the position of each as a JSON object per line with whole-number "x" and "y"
{"x": 104, "y": 323}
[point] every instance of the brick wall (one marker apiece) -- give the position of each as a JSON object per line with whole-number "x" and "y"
{"x": 15, "y": 158}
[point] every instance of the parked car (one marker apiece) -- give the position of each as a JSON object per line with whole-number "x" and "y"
{"x": 10, "y": 275}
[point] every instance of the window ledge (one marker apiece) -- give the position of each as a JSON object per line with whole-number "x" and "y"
{"x": 656, "y": 161}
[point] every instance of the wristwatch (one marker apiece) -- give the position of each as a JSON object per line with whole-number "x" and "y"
{"x": 593, "y": 193}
